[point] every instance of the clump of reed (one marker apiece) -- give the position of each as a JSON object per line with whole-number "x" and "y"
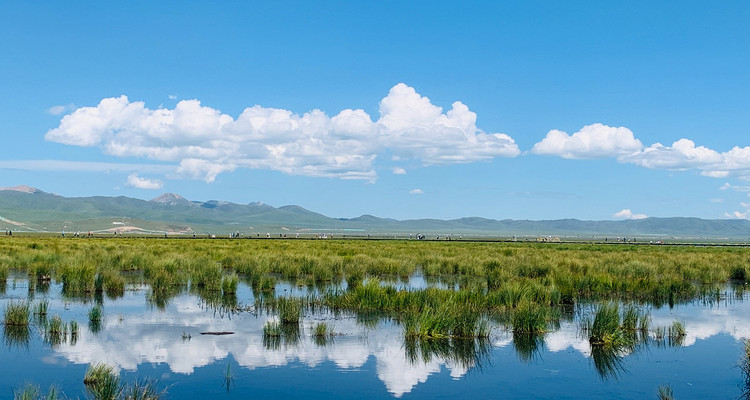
{"x": 17, "y": 313}
{"x": 56, "y": 331}
{"x": 274, "y": 333}
{"x": 39, "y": 310}
{"x": 97, "y": 373}
{"x": 143, "y": 389}
{"x": 111, "y": 283}
{"x": 41, "y": 307}
{"x": 208, "y": 277}
{"x": 609, "y": 328}
{"x": 529, "y": 318}
{"x": 444, "y": 321}
{"x": 289, "y": 309}
{"x": 322, "y": 329}
{"x": 32, "y": 392}
{"x": 322, "y": 334}
{"x": 78, "y": 277}
{"x": 95, "y": 318}
{"x": 229, "y": 284}
{"x": 102, "y": 382}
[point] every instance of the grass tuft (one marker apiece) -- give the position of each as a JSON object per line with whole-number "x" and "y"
{"x": 17, "y": 314}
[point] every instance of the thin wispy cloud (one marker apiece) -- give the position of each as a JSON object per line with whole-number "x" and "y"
{"x": 416, "y": 191}
{"x": 83, "y": 166}
{"x": 61, "y": 109}
{"x": 399, "y": 171}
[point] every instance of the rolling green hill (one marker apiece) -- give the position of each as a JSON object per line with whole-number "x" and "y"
{"x": 28, "y": 209}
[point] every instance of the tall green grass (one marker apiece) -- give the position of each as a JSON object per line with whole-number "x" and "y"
{"x": 17, "y": 313}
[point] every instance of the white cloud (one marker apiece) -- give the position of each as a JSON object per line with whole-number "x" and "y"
{"x": 399, "y": 171}
{"x": 416, "y": 191}
{"x": 738, "y": 215}
{"x": 143, "y": 183}
{"x": 172, "y": 97}
{"x": 627, "y": 214}
{"x": 682, "y": 154}
{"x": 601, "y": 141}
{"x": 206, "y": 142}
{"x": 715, "y": 174}
{"x": 592, "y": 141}
{"x": 61, "y": 109}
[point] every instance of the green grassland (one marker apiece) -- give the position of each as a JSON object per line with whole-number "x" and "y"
{"x": 523, "y": 284}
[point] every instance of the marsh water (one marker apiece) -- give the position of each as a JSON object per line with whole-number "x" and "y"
{"x": 366, "y": 358}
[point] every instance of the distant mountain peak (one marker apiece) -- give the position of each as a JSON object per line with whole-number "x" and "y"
{"x": 171, "y": 199}
{"x": 23, "y": 189}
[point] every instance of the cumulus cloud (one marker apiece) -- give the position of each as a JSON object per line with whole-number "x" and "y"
{"x": 205, "y": 142}
{"x": 682, "y": 154}
{"x": 592, "y": 141}
{"x": 416, "y": 191}
{"x": 399, "y": 171}
{"x": 627, "y": 214}
{"x": 602, "y": 141}
{"x": 143, "y": 183}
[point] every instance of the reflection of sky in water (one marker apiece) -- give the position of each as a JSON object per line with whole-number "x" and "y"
{"x": 135, "y": 334}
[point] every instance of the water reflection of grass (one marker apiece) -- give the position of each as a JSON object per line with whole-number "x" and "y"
{"x": 17, "y": 335}
{"x": 744, "y": 365}
{"x": 465, "y": 353}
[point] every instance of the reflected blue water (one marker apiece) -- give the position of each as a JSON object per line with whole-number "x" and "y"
{"x": 142, "y": 340}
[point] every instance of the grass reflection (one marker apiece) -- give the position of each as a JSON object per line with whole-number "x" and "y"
{"x": 17, "y": 336}
{"x": 466, "y": 353}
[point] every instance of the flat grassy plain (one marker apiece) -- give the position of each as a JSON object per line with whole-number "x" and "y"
{"x": 523, "y": 284}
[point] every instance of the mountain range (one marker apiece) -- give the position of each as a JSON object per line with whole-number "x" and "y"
{"x": 23, "y": 208}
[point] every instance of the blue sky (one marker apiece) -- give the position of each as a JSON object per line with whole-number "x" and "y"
{"x": 522, "y": 110}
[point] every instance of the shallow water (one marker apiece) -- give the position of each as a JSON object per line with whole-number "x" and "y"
{"x": 366, "y": 360}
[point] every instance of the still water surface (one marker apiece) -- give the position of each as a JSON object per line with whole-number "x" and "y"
{"x": 368, "y": 360}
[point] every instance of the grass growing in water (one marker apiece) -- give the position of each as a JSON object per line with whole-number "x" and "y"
{"x": 532, "y": 319}
{"x": 229, "y": 284}
{"x": 17, "y": 313}
{"x": 56, "y": 331}
{"x": 40, "y": 308}
{"x": 32, "y": 392}
{"x": 95, "y": 319}
{"x": 290, "y": 310}
{"x": 609, "y": 329}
